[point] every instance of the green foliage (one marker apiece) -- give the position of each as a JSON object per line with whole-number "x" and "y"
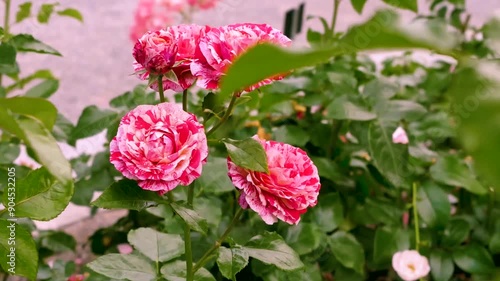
{"x": 22, "y": 247}
{"x": 248, "y": 154}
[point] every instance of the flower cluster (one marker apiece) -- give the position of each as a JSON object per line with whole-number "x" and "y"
{"x": 163, "y": 146}
{"x": 152, "y": 15}
{"x": 185, "y": 53}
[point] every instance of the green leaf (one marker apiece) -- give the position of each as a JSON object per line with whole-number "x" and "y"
{"x": 329, "y": 213}
{"x": 441, "y": 265}
{"x": 58, "y": 241}
{"x": 343, "y": 109}
{"x": 494, "y": 244}
{"x": 293, "y": 135}
{"x": 92, "y": 121}
{"x": 40, "y": 196}
{"x": 433, "y": 205}
{"x": 45, "y": 12}
{"x": 130, "y": 100}
{"x": 8, "y": 63}
{"x": 455, "y": 233}
{"x": 270, "y": 248}
{"x": 28, "y": 43}
{"x": 191, "y": 217}
{"x": 23, "y": 12}
{"x": 396, "y": 110}
{"x": 124, "y": 267}
{"x": 347, "y": 250}
{"x": 126, "y": 194}
{"x": 176, "y": 271}
{"x": 358, "y": 5}
{"x": 231, "y": 261}
{"x": 62, "y": 128}
{"x": 387, "y": 241}
{"x": 44, "y": 74}
{"x": 72, "y": 13}
{"x": 44, "y": 89}
{"x": 304, "y": 238}
{"x": 157, "y": 246}
{"x": 22, "y": 247}
{"x": 40, "y": 109}
{"x": 214, "y": 179}
{"x": 389, "y": 158}
{"x": 9, "y": 152}
{"x": 473, "y": 259}
{"x": 248, "y": 154}
{"x": 411, "y": 5}
{"x": 450, "y": 170}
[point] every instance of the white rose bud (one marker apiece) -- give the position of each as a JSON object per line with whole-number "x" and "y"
{"x": 399, "y": 136}
{"x": 410, "y": 265}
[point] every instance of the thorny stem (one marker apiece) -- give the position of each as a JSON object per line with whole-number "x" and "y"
{"x": 219, "y": 241}
{"x": 160, "y": 88}
{"x": 226, "y": 115}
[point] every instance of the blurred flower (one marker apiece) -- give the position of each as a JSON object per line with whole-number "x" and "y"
{"x": 76, "y": 277}
{"x": 124, "y": 248}
{"x": 182, "y": 40}
{"x": 399, "y": 136}
{"x": 291, "y": 186}
{"x": 202, "y": 4}
{"x": 410, "y": 265}
{"x": 221, "y": 46}
{"x": 160, "y": 146}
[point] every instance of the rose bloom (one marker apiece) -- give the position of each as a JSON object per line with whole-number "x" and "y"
{"x": 399, "y": 136}
{"x": 221, "y": 46}
{"x": 170, "y": 49}
{"x": 76, "y": 277}
{"x": 410, "y": 265}
{"x": 160, "y": 146}
{"x": 291, "y": 186}
{"x": 152, "y": 15}
{"x": 202, "y": 4}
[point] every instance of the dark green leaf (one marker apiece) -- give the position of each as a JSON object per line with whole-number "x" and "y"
{"x": 231, "y": 261}
{"x": 130, "y": 100}
{"x": 62, "y": 128}
{"x": 270, "y": 248}
{"x": 28, "y": 43}
{"x": 40, "y": 196}
{"x": 411, "y": 5}
{"x": 44, "y": 74}
{"x": 72, "y": 13}
{"x": 9, "y": 152}
{"x": 176, "y": 271}
{"x": 191, "y": 217}
{"x": 293, "y": 135}
{"x": 494, "y": 244}
{"x": 473, "y": 259}
{"x": 43, "y": 90}
{"x": 40, "y": 109}
{"x": 441, "y": 265}
{"x": 58, "y": 241}
{"x": 347, "y": 250}
{"x": 23, "y": 12}
{"x": 387, "y": 242}
{"x": 342, "y": 109}
{"x": 45, "y": 12}
{"x": 433, "y": 205}
{"x": 124, "y": 267}
{"x": 214, "y": 179}
{"x": 329, "y": 213}
{"x": 390, "y": 159}
{"x": 23, "y": 248}
{"x": 248, "y": 154}
{"x": 358, "y": 5}
{"x": 8, "y": 63}
{"x": 157, "y": 246}
{"x": 126, "y": 194}
{"x": 455, "y": 233}
{"x": 92, "y": 121}
{"x": 452, "y": 171}
{"x": 304, "y": 237}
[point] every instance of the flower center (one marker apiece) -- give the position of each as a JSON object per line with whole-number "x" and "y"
{"x": 411, "y": 266}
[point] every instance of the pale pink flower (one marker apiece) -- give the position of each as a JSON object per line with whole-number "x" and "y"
{"x": 291, "y": 186}
{"x": 124, "y": 248}
{"x": 203, "y": 4}
{"x": 410, "y": 265}
{"x": 399, "y": 136}
{"x": 221, "y": 46}
{"x": 160, "y": 146}
{"x": 182, "y": 40}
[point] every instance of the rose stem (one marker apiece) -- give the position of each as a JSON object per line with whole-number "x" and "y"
{"x": 219, "y": 241}
{"x": 6, "y": 25}
{"x": 226, "y": 115}
{"x": 185, "y": 100}
{"x": 415, "y": 217}
{"x": 160, "y": 88}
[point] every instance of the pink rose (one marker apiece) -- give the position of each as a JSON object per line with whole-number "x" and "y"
{"x": 399, "y": 136}
{"x": 221, "y": 46}
{"x": 202, "y": 4}
{"x": 291, "y": 186}
{"x": 160, "y": 146}
{"x": 183, "y": 39}
{"x": 124, "y": 248}
{"x": 76, "y": 277}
